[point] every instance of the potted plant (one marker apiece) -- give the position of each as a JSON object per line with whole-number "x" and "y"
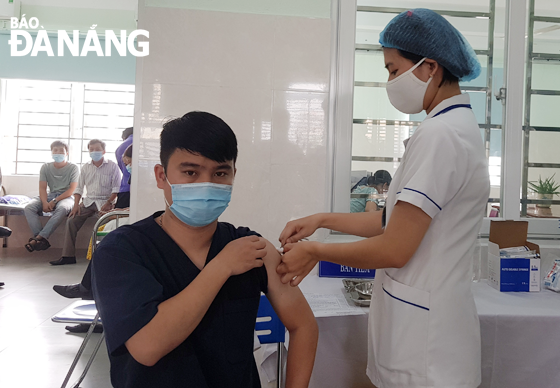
{"x": 545, "y": 190}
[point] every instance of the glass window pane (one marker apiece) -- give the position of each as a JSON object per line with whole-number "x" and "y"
{"x": 548, "y": 8}
{"x": 44, "y": 118}
{"x": 29, "y": 168}
{"x": 39, "y": 112}
{"x": 109, "y": 109}
{"x": 44, "y": 106}
{"x": 60, "y": 133}
{"x": 384, "y": 141}
{"x": 107, "y": 121}
{"x": 478, "y": 103}
{"x": 110, "y": 87}
{"x": 546, "y": 37}
{"x": 373, "y": 103}
{"x": 103, "y": 133}
{"x": 546, "y": 76}
{"x": 31, "y": 143}
{"x": 370, "y": 67}
{"x": 369, "y": 25}
{"x": 34, "y": 156}
{"x": 544, "y": 111}
{"x": 103, "y": 96}
{"x": 451, "y": 6}
{"x": 44, "y": 94}
{"x": 543, "y": 147}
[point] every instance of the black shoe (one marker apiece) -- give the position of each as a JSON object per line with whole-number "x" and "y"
{"x": 5, "y": 231}
{"x": 1, "y": 284}
{"x": 73, "y": 291}
{"x": 84, "y": 327}
{"x": 64, "y": 260}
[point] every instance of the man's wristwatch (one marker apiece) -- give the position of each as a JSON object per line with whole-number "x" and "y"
{"x": 55, "y": 201}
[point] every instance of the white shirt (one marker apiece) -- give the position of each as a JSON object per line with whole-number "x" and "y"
{"x": 423, "y": 325}
{"x": 100, "y": 182}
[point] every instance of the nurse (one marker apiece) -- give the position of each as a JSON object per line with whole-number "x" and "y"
{"x": 423, "y": 325}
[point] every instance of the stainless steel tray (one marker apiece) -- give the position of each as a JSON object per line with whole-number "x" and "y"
{"x": 359, "y": 290}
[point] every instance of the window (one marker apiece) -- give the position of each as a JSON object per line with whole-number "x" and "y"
{"x": 541, "y": 159}
{"x": 33, "y": 114}
{"x": 518, "y": 45}
{"x": 379, "y": 129}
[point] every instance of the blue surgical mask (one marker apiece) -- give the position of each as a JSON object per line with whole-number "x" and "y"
{"x": 59, "y": 158}
{"x": 96, "y": 156}
{"x": 199, "y": 204}
{"x": 129, "y": 168}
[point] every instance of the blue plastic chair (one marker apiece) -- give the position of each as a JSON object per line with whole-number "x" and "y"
{"x": 270, "y": 330}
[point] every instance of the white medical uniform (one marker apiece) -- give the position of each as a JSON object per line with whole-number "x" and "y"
{"x": 423, "y": 325}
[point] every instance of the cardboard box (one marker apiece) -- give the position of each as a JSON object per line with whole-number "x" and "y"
{"x": 505, "y": 274}
{"x": 331, "y": 270}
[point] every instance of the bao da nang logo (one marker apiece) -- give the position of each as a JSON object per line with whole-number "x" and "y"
{"x": 22, "y": 43}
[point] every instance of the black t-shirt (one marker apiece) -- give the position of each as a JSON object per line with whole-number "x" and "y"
{"x": 138, "y": 266}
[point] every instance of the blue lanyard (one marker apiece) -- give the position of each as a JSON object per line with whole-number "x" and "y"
{"x": 451, "y": 108}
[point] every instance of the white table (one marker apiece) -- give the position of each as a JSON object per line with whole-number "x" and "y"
{"x": 520, "y": 339}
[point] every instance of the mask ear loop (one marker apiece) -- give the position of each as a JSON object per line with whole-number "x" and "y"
{"x": 170, "y": 185}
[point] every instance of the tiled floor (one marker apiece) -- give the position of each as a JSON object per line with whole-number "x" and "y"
{"x": 34, "y": 351}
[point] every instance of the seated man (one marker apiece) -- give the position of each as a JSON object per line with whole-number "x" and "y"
{"x": 102, "y": 180}
{"x": 178, "y": 292}
{"x": 61, "y": 178}
{"x": 377, "y": 185}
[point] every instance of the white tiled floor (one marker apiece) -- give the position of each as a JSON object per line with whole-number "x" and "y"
{"x": 34, "y": 351}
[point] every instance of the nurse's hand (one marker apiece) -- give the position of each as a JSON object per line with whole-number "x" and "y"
{"x": 298, "y": 229}
{"x": 297, "y": 261}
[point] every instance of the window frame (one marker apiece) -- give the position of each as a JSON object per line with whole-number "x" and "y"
{"x": 341, "y": 116}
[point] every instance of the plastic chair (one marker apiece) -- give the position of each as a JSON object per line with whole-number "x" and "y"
{"x": 86, "y": 311}
{"x": 270, "y": 330}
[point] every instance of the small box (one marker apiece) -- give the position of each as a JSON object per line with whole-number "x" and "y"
{"x": 332, "y": 270}
{"x": 512, "y": 274}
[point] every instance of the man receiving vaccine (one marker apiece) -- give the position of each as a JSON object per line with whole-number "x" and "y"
{"x": 178, "y": 292}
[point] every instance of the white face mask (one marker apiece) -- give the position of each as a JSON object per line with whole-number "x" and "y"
{"x": 406, "y": 92}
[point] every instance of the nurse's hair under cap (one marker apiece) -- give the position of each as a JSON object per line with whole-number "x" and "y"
{"x": 423, "y": 32}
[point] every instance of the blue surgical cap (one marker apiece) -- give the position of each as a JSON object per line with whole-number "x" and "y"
{"x": 423, "y": 32}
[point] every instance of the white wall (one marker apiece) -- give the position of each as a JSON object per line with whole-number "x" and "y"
{"x": 268, "y": 77}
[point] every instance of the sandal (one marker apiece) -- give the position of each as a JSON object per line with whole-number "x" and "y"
{"x": 42, "y": 244}
{"x": 31, "y": 244}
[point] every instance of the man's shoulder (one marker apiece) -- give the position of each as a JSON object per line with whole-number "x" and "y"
{"x": 236, "y": 231}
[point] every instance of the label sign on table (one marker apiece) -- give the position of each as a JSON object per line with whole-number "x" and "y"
{"x": 331, "y": 270}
